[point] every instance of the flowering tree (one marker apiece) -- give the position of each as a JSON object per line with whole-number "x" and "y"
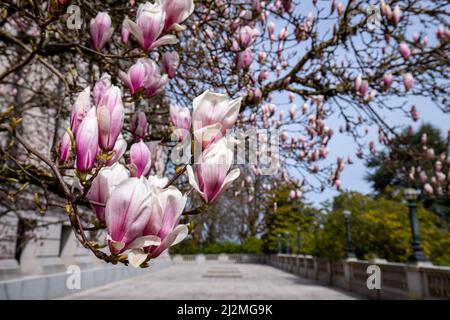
{"x": 119, "y": 113}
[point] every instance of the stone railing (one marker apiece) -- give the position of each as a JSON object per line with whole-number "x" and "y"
{"x": 398, "y": 280}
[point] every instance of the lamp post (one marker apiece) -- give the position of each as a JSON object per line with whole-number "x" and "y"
{"x": 298, "y": 240}
{"x": 348, "y": 237}
{"x": 411, "y": 196}
{"x": 279, "y": 243}
{"x": 288, "y": 250}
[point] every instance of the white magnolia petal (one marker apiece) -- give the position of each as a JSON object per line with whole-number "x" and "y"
{"x": 145, "y": 241}
{"x": 116, "y": 244}
{"x": 164, "y": 40}
{"x": 180, "y": 232}
{"x": 192, "y": 179}
{"x": 136, "y": 257}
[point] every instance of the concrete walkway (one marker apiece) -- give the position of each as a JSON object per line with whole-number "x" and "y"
{"x": 213, "y": 280}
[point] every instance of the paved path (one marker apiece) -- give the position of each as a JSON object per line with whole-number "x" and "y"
{"x": 214, "y": 281}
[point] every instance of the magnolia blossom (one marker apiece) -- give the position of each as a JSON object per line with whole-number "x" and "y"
{"x": 408, "y": 81}
{"x": 148, "y": 27}
{"x": 135, "y": 77}
{"x": 164, "y": 221}
{"x": 246, "y": 36}
{"x": 171, "y": 60}
{"x": 79, "y": 109}
{"x": 140, "y": 159}
{"x": 101, "y": 30}
{"x": 387, "y": 80}
{"x": 64, "y": 147}
{"x": 404, "y": 50}
{"x": 101, "y": 87}
{"x": 176, "y": 12}
{"x": 211, "y": 176}
{"x": 117, "y": 153}
{"x": 127, "y": 213}
{"x": 139, "y": 125}
{"x": 155, "y": 82}
{"x": 244, "y": 59}
{"x": 181, "y": 119}
{"x": 110, "y": 113}
{"x": 213, "y": 114}
{"x": 87, "y": 142}
{"x": 102, "y": 186}
{"x": 125, "y": 34}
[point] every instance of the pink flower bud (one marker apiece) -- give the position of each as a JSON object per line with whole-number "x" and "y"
{"x": 171, "y": 60}
{"x": 87, "y": 142}
{"x": 428, "y": 188}
{"x": 79, "y": 109}
{"x": 101, "y": 30}
{"x": 414, "y": 113}
{"x": 117, "y": 153}
{"x": 408, "y": 81}
{"x": 140, "y": 159}
{"x": 125, "y": 34}
{"x": 387, "y": 80}
{"x": 271, "y": 30}
{"x": 100, "y": 88}
{"x": 363, "y": 88}
{"x": 110, "y": 114}
{"x": 65, "y": 147}
{"x": 357, "y": 83}
{"x": 404, "y": 50}
{"x": 263, "y": 75}
{"x": 396, "y": 15}
{"x": 139, "y": 125}
{"x": 244, "y": 59}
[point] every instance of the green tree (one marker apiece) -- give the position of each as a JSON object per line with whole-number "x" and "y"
{"x": 380, "y": 228}
{"x": 391, "y": 168}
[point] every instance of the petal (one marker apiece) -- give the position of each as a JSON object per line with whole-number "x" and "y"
{"x": 176, "y": 236}
{"x": 145, "y": 241}
{"x": 134, "y": 30}
{"x": 136, "y": 257}
{"x": 164, "y": 40}
{"x": 233, "y": 175}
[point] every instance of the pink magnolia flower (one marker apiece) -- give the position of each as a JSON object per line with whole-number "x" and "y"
{"x": 117, "y": 153}
{"x": 110, "y": 113}
{"x": 79, "y": 109}
{"x": 87, "y": 142}
{"x": 135, "y": 78}
{"x": 125, "y": 34}
{"x": 127, "y": 213}
{"x": 164, "y": 221}
{"x": 247, "y": 36}
{"x": 404, "y": 50}
{"x": 139, "y": 125}
{"x": 149, "y": 26}
{"x": 100, "y": 88}
{"x": 140, "y": 159}
{"x": 171, "y": 61}
{"x": 408, "y": 81}
{"x": 387, "y": 80}
{"x": 181, "y": 119}
{"x": 213, "y": 114}
{"x": 357, "y": 83}
{"x": 211, "y": 177}
{"x": 244, "y": 59}
{"x": 65, "y": 147}
{"x": 103, "y": 185}
{"x": 155, "y": 81}
{"x": 428, "y": 188}
{"x": 101, "y": 30}
{"x": 176, "y": 12}
{"x": 363, "y": 88}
